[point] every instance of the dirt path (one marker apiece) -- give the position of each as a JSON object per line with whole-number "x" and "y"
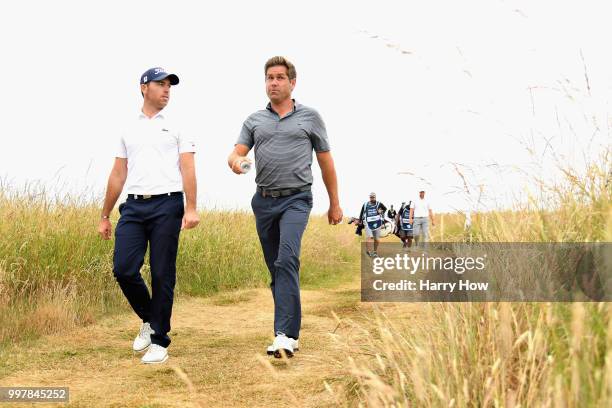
{"x": 218, "y": 343}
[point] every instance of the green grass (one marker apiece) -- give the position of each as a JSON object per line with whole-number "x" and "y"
{"x": 56, "y": 273}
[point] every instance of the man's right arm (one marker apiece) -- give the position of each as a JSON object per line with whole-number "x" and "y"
{"x": 116, "y": 180}
{"x": 237, "y": 156}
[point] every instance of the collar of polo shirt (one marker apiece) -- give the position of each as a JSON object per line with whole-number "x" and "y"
{"x": 141, "y": 115}
{"x": 296, "y": 105}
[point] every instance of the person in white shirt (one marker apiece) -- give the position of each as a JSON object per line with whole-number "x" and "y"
{"x": 419, "y": 212}
{"x": 156, "y": 163}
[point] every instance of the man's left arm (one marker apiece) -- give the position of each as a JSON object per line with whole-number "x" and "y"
{"x": 328, "y": 171}
{"x": 187, "y": 164}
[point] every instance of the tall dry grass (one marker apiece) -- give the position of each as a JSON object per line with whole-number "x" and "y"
{"x": 496, "y": 354}
{"x": 56, "y": 273}
{"x": 574, "y": 209}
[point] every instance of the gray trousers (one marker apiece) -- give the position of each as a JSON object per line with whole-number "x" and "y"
{"x": 280, "y": 225}
{"x": 420, "y": 229}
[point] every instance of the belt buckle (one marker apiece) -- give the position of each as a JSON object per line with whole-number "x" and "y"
{"x": 146, "y": 196}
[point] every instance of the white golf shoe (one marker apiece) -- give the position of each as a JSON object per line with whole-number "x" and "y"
{"x": 155, "y": 354}
{"x": 143, "y": 340}
{"x": 282, "y": 344}
{"x": 296, "y": 347}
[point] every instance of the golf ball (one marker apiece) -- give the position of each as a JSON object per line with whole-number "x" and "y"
{"x": 245, "y": 166}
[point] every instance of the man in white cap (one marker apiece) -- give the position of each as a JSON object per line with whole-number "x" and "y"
{"x": 371, "y": 216}
{"x": 420, "y": 210}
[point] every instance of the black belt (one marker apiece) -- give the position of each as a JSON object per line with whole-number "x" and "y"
{"x": 149, "y": 196}
{"x": 281, "y": 193}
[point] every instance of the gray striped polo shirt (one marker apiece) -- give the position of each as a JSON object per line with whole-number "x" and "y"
{"x": 283, "y": 147}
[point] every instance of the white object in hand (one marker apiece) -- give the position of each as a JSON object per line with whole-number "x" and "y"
{"x": 245, "y": 166}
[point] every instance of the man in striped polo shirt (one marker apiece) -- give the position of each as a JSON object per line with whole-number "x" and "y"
{"x": 284, "y": 136}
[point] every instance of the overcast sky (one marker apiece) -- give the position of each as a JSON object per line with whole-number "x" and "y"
{"x": 409, "y": 90}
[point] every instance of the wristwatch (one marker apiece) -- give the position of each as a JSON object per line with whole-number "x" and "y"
{"x": 105, "y": 217}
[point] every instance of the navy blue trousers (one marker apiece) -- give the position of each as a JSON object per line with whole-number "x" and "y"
{"x": 156, "y": 222}
{"x": 280, "y": 225}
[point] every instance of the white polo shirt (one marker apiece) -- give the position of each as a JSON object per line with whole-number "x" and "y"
{"x": 421, "y": 207}
{"x": 152, "y": 148}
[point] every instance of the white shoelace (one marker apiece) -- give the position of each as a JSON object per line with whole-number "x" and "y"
{"x": 145, "y": 331}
